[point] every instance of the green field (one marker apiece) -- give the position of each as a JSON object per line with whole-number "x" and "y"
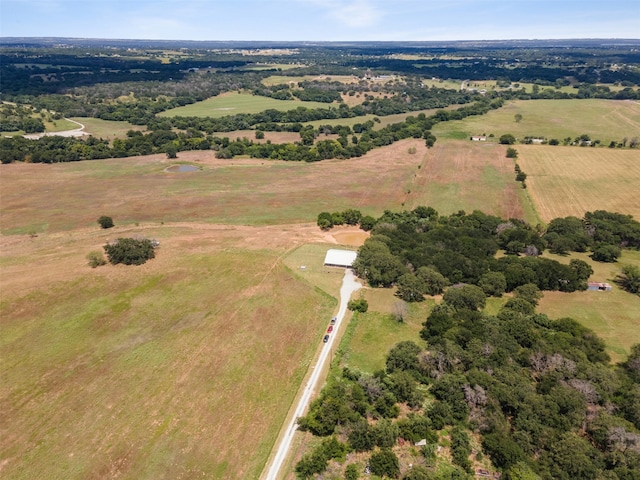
{"x": 603, "y": 120}
{"x": 371, "y": 335}
{"x": 384, "y": 120}
{"x": 233, "y": 103}
{"x": 107, "y": 129}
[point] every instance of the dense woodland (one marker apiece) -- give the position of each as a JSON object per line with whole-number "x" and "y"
{"x": 540, "y": 393}
{"x": 135, "y": 81}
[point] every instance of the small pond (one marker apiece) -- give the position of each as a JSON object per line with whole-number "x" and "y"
{"x": 182, "y": 168}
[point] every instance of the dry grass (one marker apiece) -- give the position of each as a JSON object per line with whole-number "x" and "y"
{"x": 467, "y": 176}
{"x": 566, "y": 181}
{"x": 38, "y": 197}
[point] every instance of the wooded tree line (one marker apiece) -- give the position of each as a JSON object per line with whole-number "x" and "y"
{"x": 421, "y": 252}
{"x": 61, "y": 149}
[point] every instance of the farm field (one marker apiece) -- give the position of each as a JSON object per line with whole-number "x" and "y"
{"x": 604, "y": 120}
{"x": 166, "y": 370}
{"x": 233, "y": 103}
{"x": 256, "y": 192}
{"x": 565, "y": 181}
{"x": 459, "y": 175}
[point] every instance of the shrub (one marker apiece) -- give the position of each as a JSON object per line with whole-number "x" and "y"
{"x": 129, "y": 251}
{"x": 385, "y": 463}
{"x": 358, "y": 305}
{"x": 325, "y": 220}
{"x": 96, "y": 259}
{"x": 367, "y": 223}
{"x": 507, "y": 139}
{"x": 105, "y": 222}
{"x": 351, "y": 472}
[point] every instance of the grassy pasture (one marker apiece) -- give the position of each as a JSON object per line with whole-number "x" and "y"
{"x": 566, "y": 181}
{"x": 233, "y": 103}
{"x": 614, "y": 316}
{"x": 384, "y": 120}
{"x": 184, "y": 367}
{"x": 38, "y": 197}
{"x": 604, "y": 120}
{"x": 107, "y": 129}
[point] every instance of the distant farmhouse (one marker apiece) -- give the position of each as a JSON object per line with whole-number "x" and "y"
{"x": 340, "y": 258}
{"x": 479, "y": 138}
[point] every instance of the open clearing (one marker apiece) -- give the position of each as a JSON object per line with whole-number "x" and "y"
{"x": 604, "y": 120}
{"x": 614, "y": 315}
{"x": 234, "y": 103}
{"x": 566, "y": 181}
{"x": 106, "y": 129}
{"x": 40, "y": 197}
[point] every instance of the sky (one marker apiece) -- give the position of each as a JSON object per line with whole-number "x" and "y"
{"x": 321, "y": 20}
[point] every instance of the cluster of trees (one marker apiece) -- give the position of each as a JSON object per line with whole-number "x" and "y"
{"x": 540, "y": 393}
{"x": 422, "y": 252}
{"x": 15, "y": 117}
{"x": 601, "y": 232}
{"x": 130, "y": 251}
{"x": 349, "y": 216}
{"x": 520, "y": 175}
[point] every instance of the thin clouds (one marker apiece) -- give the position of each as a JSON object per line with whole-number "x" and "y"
{"x": 320, "y": 20}
{"x": 352, "y": 14}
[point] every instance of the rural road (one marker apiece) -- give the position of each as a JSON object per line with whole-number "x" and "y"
{"x": 349, "y": 285}
{"x": 78, "y": 132}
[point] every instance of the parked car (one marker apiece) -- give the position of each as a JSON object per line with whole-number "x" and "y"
{"x": 325, "y": 339}
{"x": 330, "y": 329}
{"x": 333, "y": 320}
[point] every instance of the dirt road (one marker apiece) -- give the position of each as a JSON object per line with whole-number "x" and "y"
{"x": 349, "y": 285}
{"x": 77, "y": 132}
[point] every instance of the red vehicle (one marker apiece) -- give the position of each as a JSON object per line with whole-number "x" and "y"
{"x": 330, "y": 329}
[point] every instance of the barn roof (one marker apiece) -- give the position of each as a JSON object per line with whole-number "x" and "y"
{"x": 340, "y": 258}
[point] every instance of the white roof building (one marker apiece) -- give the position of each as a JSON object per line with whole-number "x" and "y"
{"x": 340, "y": 258}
